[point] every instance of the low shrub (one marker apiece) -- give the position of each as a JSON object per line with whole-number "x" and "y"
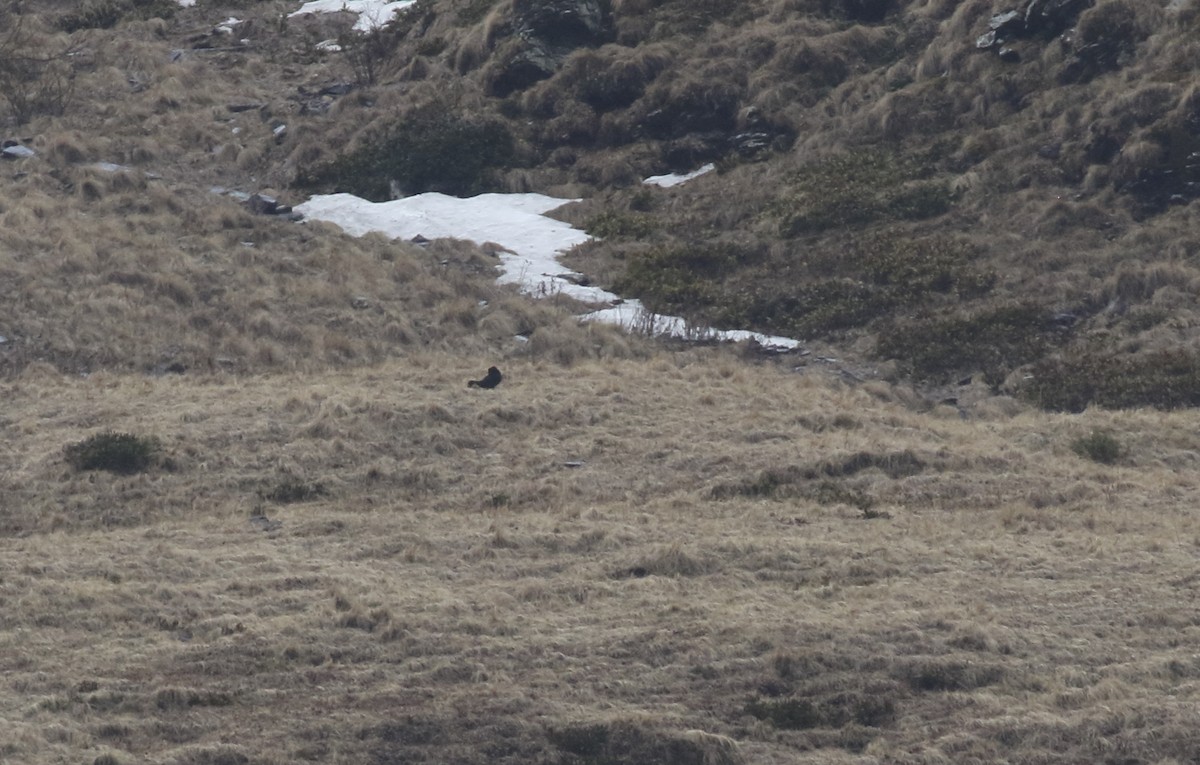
{"x": 616, "y": 224}
{"x": 433, "y": 151}
{"x": 994, "y": 341}
{"x": 856, "y": 188}
{"x": 103, "y": 14}
{"x": 122, "y": 453}
{"x": 682, "y": 279}
{"x": 1098, "y": 446}
{"x": 871, "y": 279}
{"x": 1168, "y": 379}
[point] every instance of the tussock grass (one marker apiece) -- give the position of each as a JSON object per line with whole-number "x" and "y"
{"x": 610, "y": 602}
{"x": 626, "y": 553}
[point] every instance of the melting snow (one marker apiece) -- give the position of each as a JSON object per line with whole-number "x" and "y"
{"x": 530, "y": 242}
{"x": 674, "y": 179}
{"x": 371, "y": 13}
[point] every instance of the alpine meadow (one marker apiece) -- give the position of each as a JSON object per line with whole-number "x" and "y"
{"x": 252, "y": 512}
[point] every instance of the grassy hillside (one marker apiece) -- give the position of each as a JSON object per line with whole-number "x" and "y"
{"x": 250, "y": 514}
{"x": 679, "y": 561}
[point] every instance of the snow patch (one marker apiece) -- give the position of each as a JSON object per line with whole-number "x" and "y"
{"x": 527, "y": 243}
{"x": 674, "y": 179}
{"x": 372, "y": 14}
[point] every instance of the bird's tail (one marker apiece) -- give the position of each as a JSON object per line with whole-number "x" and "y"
{"x": 472, "y": 383}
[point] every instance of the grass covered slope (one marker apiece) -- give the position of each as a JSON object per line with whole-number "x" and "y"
{"x": 250, "y": 514}
{"x": 744, "y": 555}
{"x": 884, "y": 184}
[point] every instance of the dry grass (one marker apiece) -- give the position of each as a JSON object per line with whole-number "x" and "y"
{"x": 624, "y": 554}
{"x": 458, "y": 592}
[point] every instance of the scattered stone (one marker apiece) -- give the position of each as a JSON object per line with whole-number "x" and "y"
{"x": 1042, "y": 19}
{"x": 574, "y": 463}
{"x": 264, "y": 204}
{"x": 360, "y": 302}
{"x": 1050, "y": 151}
{"x": 264, "y": 523}
{"x": 246, "y": 107}
{"x": 261, "y": 204}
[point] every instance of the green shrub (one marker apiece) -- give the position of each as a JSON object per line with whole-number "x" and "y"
{"x": 939, "y": 674}
{"x": 1168, "y": 379}
{"x": 857, "y": 188}
{"x": 115, "y": 452}
{"x": 616, "y": 224}
{"x": 878, "y": 275}
{"x": 994, "y": 341}
{"x": 1098, "y": 446}
{"x": 434, "y": 151}
{"x": 103, "y": 14}
{"x": 683, "y": 279}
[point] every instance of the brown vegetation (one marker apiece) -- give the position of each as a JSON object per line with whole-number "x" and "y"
{"x": 249, "y": 516}
{"x": 557, "y": 572}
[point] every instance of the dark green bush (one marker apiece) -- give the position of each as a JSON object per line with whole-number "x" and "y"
{"x": 115, "y": 452}
{"x": 1168, "y": 379}
{"x": 871, "y": 279}
{"x": 1098, "y": 446}
{"x": 857, "y": 188}
{"x": 615, "y": 224}
{"x": 683, "y": 279}
{"x": 103, "y": 14}
{"x": 994, "y": 341}
{"x": 434, "y": 151}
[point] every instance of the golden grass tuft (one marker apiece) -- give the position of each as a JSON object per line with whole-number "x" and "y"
{"x": 463, "y": 562}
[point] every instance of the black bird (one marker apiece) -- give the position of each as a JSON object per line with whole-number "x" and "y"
{"x": 490, "y": 380}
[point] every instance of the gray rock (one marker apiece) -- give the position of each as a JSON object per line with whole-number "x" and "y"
{"x": 564, "y": 24}
{"x": 261, "y": 204}
{"x": 544, "y": 34}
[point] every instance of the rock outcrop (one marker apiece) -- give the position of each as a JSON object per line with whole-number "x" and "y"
{"x": 544, "y": 32}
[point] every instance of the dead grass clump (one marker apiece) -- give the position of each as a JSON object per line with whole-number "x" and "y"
{"x": 611, "y": 77}
{"x": 835, "y": 711}
{"x": 945, "y": 674}
{"x": 291, "y": 489}
{"x": 623, "y": 742}
{"x": 671, "y": 561}
{"x": 569, "y": 341}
